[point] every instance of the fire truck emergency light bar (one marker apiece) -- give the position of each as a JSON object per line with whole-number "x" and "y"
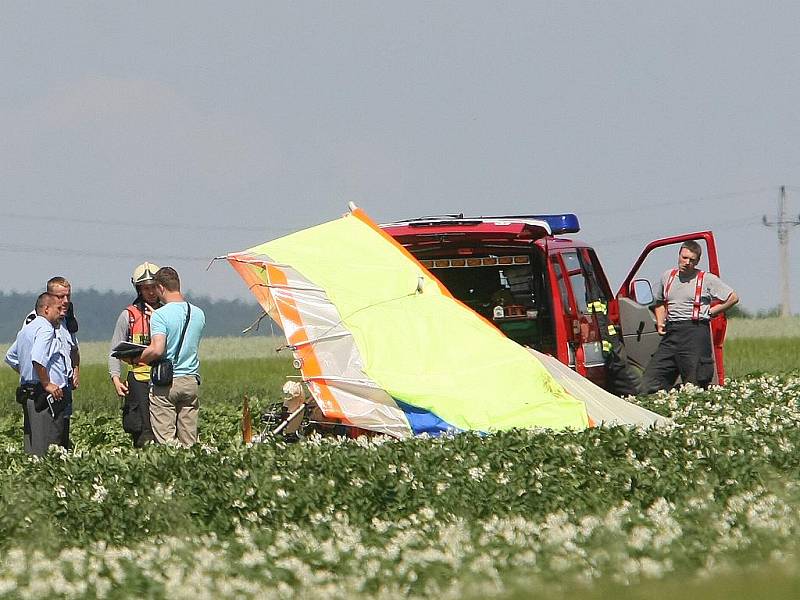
{"x": 559, "y": 224}
{"x": 446, "y": 263}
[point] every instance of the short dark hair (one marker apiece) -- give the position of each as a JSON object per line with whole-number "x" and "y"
{"x": 54, "y": 281}
{"x": 693, "y": 247}
{"x": 168, "y": 277}
{"x": 44, "y": 299}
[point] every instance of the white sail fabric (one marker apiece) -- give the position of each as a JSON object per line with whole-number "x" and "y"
{"x": 604, "y": 408}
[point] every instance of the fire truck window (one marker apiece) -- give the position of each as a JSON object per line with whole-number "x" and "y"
{"x": 594, "y": 287}
{"x": 576, "y": 278}
{"x": 562, "y": 286}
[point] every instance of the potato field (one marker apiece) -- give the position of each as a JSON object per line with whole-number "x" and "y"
{"x": 706, "y": 507}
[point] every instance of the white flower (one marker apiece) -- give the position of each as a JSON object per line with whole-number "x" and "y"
{"x": 100, "y": 493}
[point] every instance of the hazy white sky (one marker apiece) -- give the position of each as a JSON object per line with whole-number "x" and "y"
{"x": 179, "y": 131}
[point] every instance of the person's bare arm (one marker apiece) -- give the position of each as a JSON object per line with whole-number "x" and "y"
{"x": 661, "y": 317}
{"x": 156, "y": 349}
{"x": 730, "y": 301}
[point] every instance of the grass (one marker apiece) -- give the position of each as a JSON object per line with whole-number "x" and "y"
{"x": 744, "y": 356}
{"x": 224, "y": 381}
{"x": 773, "y": 327}
{"x": 233, "y": 367}
{"x": 774, "y": 582}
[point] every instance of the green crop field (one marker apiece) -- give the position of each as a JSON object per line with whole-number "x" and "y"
{"x": 708, "y": 507}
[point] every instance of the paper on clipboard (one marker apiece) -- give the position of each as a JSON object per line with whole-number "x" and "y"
{"x": 127, "y": 350}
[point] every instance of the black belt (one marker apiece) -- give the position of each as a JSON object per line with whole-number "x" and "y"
{"x": 687, "y": 322}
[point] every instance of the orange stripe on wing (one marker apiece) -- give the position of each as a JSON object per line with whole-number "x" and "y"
{"x": 310, "y": 363}
{"x": 251, "y": 273}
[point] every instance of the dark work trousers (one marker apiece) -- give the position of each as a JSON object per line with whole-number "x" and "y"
{"x": 623, "y": 380}
{"x": 684, "y": 350}
{"x": 136, "y": 411}
{"x": 41, "y": 429}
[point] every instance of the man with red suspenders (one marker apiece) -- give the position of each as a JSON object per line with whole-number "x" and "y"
{"x": 683, "y": 311}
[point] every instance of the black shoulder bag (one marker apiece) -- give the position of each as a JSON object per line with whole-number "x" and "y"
{"x": 161, "y": 371}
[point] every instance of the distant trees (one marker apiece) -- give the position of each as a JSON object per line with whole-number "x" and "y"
{"x": 739, "y": 312}
{"x": 97, "y": 313}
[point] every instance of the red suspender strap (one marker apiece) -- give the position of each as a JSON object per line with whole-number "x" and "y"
{"x": 666, "y": 289}
{"x": 698, "y": 292}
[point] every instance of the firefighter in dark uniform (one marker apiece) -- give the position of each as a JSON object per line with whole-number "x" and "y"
{"x": 133, "y": 325}
{"x": 683, "y": 313}
{"x": 623, "y": 380}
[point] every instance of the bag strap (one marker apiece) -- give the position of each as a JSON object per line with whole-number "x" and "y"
{"x": 183, "y": 332}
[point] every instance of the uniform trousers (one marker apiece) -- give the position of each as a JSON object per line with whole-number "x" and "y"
{"x": 684, "y": 350}
{"x": 174, "y": 410}
{"x": 41, "y": 429}
{"x": 136, "y": 411}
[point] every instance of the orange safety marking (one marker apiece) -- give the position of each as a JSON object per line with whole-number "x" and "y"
{"x": 310, "y": 363}
{"x": 249, "y": 272}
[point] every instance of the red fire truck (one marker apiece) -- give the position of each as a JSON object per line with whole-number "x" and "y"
{"x": 542, "y": 289}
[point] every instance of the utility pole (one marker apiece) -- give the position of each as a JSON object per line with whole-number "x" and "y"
{"x": 782, "y": 226}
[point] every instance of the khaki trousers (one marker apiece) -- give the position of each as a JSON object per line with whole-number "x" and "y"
{"x": 173, "y": 411}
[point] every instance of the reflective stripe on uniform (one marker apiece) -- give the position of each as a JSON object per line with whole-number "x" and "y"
{"x": 596, "y": 307}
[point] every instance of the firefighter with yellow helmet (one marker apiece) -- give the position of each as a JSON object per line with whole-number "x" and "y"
{"x": 133, "y": 325}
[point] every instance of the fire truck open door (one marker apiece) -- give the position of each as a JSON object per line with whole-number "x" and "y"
{"x": 635, "y": 307}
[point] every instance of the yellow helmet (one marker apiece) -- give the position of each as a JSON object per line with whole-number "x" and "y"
{"x": 144, "y": 273}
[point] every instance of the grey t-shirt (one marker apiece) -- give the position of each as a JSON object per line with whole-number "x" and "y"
{"x": 680, "y": 300}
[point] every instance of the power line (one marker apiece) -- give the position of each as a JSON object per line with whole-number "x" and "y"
{"x": 150, "y": 225}
{"x": 719, "y": 226}
{"x": 645, "y": 205}
{"x": 59, "y": 250}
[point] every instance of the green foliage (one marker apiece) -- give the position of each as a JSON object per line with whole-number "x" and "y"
{"x": 461, "y": 515}
{"x": 611, "y": 512}
{"x": 744, "y": 356}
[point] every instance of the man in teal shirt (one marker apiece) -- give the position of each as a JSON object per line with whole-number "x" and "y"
{"x": 174, "y": 408}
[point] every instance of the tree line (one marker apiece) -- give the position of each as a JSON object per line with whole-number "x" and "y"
{"x": 97, "y": 313}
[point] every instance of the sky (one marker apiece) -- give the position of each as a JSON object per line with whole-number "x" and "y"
{"x": 177, "y": 132}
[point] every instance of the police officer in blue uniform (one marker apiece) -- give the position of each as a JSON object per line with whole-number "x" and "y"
{"x": 40, "y": 356}
{"x": 61, "y": 288}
